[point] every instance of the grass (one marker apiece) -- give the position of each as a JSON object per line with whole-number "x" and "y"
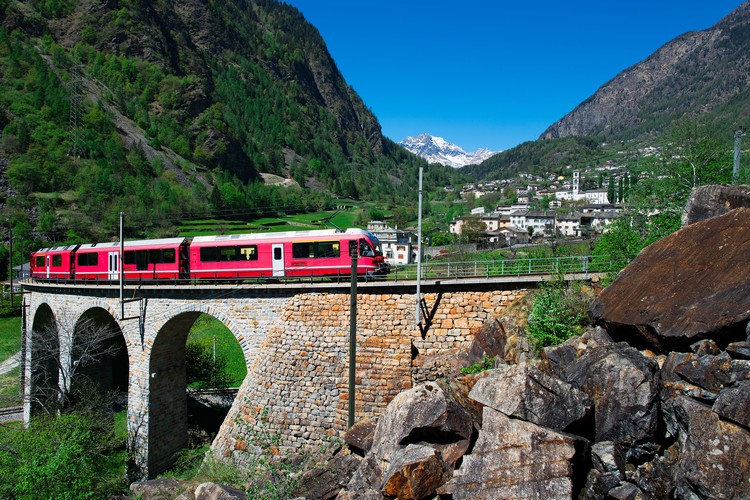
{"x": 296, "y": 222}
{"x": 10, "y": 337}
{"x": 205, "y": 329}
{"x": 9, "y": 388}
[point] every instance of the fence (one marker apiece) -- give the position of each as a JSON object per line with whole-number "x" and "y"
{"x": 505, "y": 267}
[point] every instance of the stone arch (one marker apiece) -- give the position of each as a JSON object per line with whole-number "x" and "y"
{"x": 168, "y": 399}
{"x": 43, "y": 372}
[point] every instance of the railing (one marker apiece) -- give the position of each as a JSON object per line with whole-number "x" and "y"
{"x": 505, "y": 267}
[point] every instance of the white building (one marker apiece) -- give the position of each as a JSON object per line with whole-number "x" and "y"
{"x": 399, "y": 247}
{"x": 575, "y": 194}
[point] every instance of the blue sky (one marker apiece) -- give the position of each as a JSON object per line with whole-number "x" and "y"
{"x": 492, "y": 73}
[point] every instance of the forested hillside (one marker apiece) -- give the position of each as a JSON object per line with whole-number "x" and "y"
{"x": 166, "y": 110}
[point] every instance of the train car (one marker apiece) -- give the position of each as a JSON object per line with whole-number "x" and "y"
{"x": 53, "y": 263}
{"x": 165, "y": 258}
{"x": 286, "y": 254}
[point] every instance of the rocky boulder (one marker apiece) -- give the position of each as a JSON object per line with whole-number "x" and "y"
{"x": 517, "y": 459}
{"x": 524, "y": 392}
{"x": 709, "y": 201}
{"x": 691, "y": 285}
{"x": 420, "y": 436}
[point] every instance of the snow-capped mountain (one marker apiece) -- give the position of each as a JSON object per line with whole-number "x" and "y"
{"x": 438, "y": 150}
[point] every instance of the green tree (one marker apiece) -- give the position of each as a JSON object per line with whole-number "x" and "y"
{"x": 472, "y": 229}
{"x": 67, "y": 456}
{"x": 201, "y": 369}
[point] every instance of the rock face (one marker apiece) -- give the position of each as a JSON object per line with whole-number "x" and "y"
{"x": 691, "y": 285}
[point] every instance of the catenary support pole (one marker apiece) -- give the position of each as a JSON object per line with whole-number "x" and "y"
{"x": 736, "y": 169}
{"x": 419, "y": 249}
{"x": 120, "y": 259}
{"x": 354, "y": 253}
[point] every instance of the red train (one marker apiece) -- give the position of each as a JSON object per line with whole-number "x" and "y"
{"x": 226, "y": 257}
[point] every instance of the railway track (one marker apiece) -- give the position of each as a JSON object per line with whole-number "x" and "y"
{"x": 11, "y": 413}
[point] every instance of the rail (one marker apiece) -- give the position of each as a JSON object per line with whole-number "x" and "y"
{"x": 430, "y": 270}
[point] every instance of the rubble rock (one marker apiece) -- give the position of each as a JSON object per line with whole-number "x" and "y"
{"x": 734, "y": 404}
{"x": 325, "y": 481}
{"x": 690, "y": 285}
{"x": 713, "y": 373}
{"x": 709, "y": 201}
{"x": 739, "y": 350}
{"x": 523, "y": 391}
{"x": 607, "y": 459}
{"x": 160, "y": 488}
{"x": 624, "y": 388}
{"x": 424, "y": 415}
{"x": 212, "y": 491}
{"x": 359, "y": 436}
{"x": 713, "y": 454}
{"x": 415, "y": 472}
{"x": 516, "y": 459}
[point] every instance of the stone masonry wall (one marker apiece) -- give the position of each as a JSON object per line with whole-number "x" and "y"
{"x": 296, "y": 391}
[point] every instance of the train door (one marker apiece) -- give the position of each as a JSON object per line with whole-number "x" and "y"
{"x": 112, "y": 268}
{"x": 48, "y": 263}
{"x": 278, "y": 259}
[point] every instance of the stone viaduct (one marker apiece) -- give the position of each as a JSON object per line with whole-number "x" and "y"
{"x": 295, "y": 342}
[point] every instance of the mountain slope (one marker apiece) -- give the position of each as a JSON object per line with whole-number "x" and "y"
{"x": 702, "y": 72}
{"x": 438, "y": 150}
{"x": 166, "y": 110}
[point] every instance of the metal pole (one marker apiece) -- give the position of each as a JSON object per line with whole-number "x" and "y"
{"x": 736, "y": 170}
{"x": 119, "y": 266}
{"x": 419, "y": 249}
{"x": 10, "y": 267}
{"x": 353, "y": 252}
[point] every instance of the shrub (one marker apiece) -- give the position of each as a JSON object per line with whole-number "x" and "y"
{"x": 66, "y": 456}
{"x": 486, "y": 364}
{"x": 557, "y": 313}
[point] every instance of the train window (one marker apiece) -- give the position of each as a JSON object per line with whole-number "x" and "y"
{"x": 88, "y": 259}
{"x": 168, "y": 256}
{"x": 228, "y": 254}
{"x": 129, "y": 257}
{"x": 39, "y": 261}
{"x": 277, "y": 253}
{"x": 303, "y": 250}
{"x": 320, "y": 249}
{"x": 365, "y": 249}
{"x": 209, "y": 254}
{"x": 249, "y": 253}
{"x": 57, "y": 260}
{"x": 327, "y": 249}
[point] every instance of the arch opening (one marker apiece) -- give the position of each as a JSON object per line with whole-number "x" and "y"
{"x": 43, "y": 389}
{"x": 189, "y": 394}
{"x": 99, "y": 359}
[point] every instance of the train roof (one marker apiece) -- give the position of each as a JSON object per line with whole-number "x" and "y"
{"x": 58, "y": 249}
{"x": 136, "y": 243}
{"x": 317, "y": 233}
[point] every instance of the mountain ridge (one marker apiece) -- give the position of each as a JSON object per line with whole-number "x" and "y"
{"x": 437, "y": 150}
{"x": 696, "y": 73}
